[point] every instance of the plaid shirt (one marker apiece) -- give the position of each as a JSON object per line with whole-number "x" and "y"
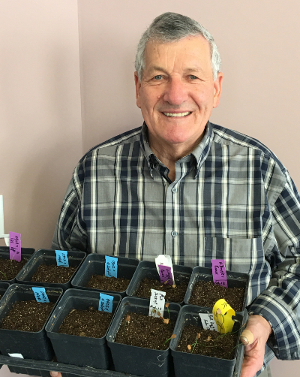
{"x": 231, "y": 199}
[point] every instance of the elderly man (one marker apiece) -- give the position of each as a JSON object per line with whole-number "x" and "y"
{"x": 183, "y": 186}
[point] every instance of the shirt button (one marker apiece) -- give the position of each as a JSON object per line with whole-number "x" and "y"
{"x": 174, "y": 189}
{"x": 174, "y": 233}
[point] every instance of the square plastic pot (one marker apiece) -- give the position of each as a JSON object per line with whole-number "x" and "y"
{"x": 234, "y": 279}
{"x": 79, "y": 350}
{"x": 48, "y": 257}
{"x": 31, "y": 345}
{"x": 3, "y": 287}
{"x": 94, "y": 264}
{"x": 4, "y": 254}
{"x": 137, "y": 360}
{"x": 194, "y": 365}
{"x": 147, "y": 269}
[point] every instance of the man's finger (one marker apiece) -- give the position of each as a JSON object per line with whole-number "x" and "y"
{"x": 247, "y": 337}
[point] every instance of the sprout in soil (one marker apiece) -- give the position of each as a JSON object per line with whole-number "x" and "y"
{"x": 172, "y": 337}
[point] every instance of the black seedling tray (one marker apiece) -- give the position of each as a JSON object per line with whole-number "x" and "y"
{"x": 4, "y": 254}
{"x": 47, "y": 256}
{"x": 94, "y": 264}
{"x": 234, "y": 279}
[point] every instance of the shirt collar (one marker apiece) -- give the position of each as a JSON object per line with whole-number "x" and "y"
{"x": 199, "y": 153}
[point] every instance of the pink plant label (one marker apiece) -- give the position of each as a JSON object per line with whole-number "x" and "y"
{"x": 15, "y": 246}
{"x": 165, "y": 274}
{"x": 219, "y": 272}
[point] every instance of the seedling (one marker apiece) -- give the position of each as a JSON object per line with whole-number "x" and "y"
{"x": 172, "y": 337}
{"x": 192, "y": 347}
{"x": 4, "y": 275}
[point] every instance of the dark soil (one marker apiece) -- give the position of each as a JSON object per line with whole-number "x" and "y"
{"x": 51, "y": 273}
{"x": 173, "y": 294}
{"x": 108, "y": 284}
{"x": 211, "y": 343}
{"x": 27, "y": 316}
{"x": 91, "y": 323}
{"x": 144, "y": 331}
{"x": 206, "y": 293}
{"x": 10, "y": 268}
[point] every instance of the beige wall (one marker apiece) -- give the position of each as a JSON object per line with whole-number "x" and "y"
{"x": 41, "y": 90}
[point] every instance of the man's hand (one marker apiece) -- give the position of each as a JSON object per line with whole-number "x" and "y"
{"x": 254, "y": 352}
{"x": 55, "y": 374}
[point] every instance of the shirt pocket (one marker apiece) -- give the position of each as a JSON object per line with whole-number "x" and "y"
{"x": 244, "y": 255}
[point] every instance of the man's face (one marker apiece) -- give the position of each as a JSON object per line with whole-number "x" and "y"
{"x": 177, "y": 92}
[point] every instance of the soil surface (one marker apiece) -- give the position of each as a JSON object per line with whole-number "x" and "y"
{"x": 108, "y": 284}
{"x": 211, "y": 343}
{"x": 144, "y": 331}
{"x": 173, "y": 294}
{"x": 9, "y": 268}
{"x": 206, "y": 293}
{"x": 91, "y": 323}
{"x": 51, "y": 273}
{"x": 27, "y": 316}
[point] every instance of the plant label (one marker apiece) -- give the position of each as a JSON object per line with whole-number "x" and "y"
{"x": 223, "y": 313}
{"x": 62, "y": 258}
{"x": 165, "y": 274}
{"x": 15, "y": 246}
{"x": 40, "y": 294}
{"x": 208, "y": 321}
{"x": 111, "y": 266}
{"x": 157, "y": 303}
{"x": 219, "y": 272}
{"x": 106, "y": 303}
{"x": 164, "y": 268}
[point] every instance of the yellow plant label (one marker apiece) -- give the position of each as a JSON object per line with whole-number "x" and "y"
{"x": 223, "y": 313}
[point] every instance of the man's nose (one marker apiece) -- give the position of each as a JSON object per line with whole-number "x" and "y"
{"x": 175, "y": 92}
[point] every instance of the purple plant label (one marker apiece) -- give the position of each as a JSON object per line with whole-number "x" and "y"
{"x": 165, "y": 274}
{"x": 62, "y": 258}
{"x": 40, "y": 294}
{"x": 208, "y": 321}
{"x": 111, "y": 266}
{"x": 106, "y": 303}
{"x": 219, "y": 272}
{"x": 15, "y": 246}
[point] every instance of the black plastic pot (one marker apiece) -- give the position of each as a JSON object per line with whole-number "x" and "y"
{"x": 234, "y": 279}
{"x": 4, "y": 254}
{"x": 137, "y": 360}
{"x": 147, "y": 269}
{"x": 79, "y": 350}
{"x": 3, "y": 288}
{"x": 48, "y": 257}
{"x": 31, "y": 345}
{"x": 194, "y": 365}
{"x": 94, "y": 264}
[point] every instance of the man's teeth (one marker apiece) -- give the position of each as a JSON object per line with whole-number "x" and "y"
{"x": 177, "y": 114}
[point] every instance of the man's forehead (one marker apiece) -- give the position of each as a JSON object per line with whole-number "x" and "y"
{"x": 195, "y": 50}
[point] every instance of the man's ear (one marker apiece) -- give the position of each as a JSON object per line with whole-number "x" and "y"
{"x": 137, "y": 89}
{"x": 218, "y": 88}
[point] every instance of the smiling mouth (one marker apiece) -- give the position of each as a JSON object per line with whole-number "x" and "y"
{"x": 177, "y": 115}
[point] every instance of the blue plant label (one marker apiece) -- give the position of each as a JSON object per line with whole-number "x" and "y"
{"x": 105, "y": 303}
{"x": 40, "y": 294}
{"x": 111, "y": 266}
{"x": 62, "y": 258}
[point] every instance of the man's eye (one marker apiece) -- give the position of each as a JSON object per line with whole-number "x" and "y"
{"x": 193, "y": 77}
{"x": 158, "y": 77}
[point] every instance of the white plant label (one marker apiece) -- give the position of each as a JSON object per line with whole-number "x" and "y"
{"x": 157, "y": 303}
{"x": 208, "y": 321}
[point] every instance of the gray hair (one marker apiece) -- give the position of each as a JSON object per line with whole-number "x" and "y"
{"x": 170, "y": 27}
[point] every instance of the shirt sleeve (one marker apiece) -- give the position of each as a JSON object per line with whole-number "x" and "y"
{"x": 279, "y": 304}
{"x": 70, "y": 232}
